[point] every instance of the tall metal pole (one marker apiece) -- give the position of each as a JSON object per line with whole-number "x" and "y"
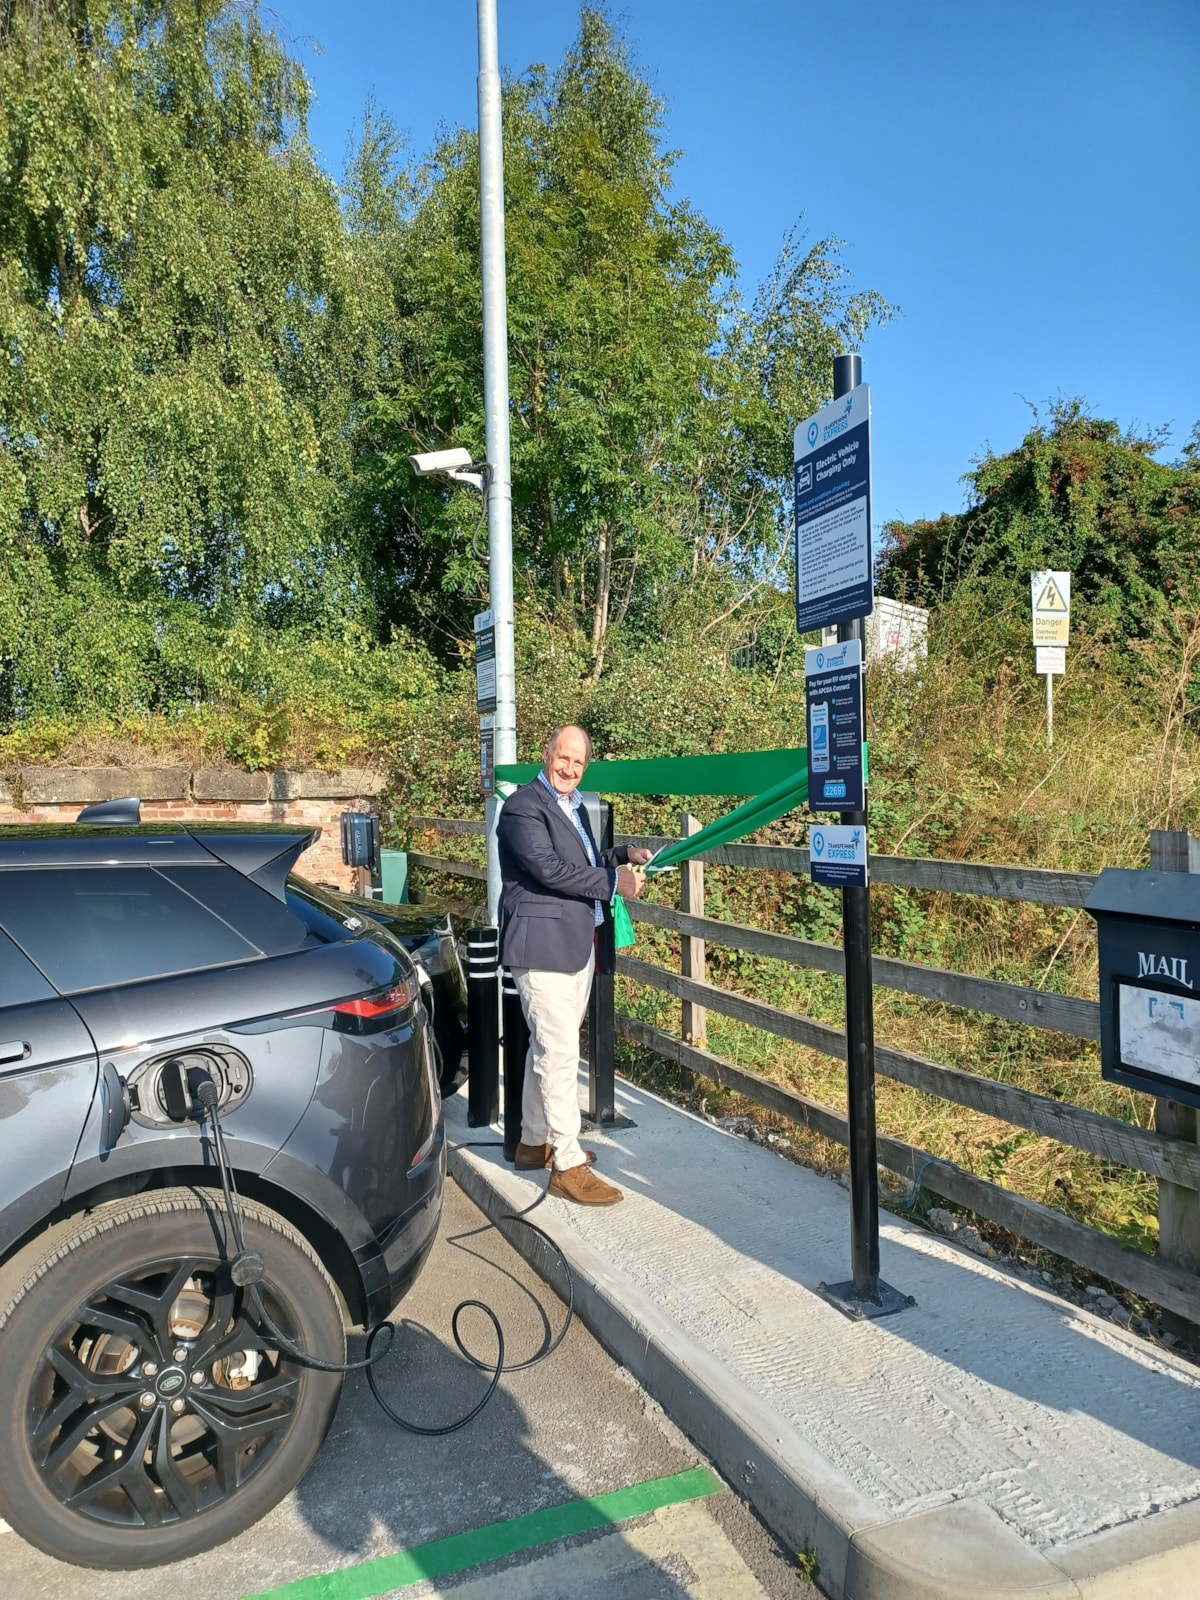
{"x": 860, "y": 1020}
{"x": 495, "y": 401}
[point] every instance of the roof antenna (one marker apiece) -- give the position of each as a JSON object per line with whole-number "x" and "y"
{"x": 127, "y": 813}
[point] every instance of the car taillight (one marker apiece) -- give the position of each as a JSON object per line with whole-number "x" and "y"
{"x": 372, "y": 1006}
{"x": 366, "y": 1013}
{"x": 423, "y": 1152}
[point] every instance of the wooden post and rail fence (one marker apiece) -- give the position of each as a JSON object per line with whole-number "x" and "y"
{"x": 1169, "y": 1152}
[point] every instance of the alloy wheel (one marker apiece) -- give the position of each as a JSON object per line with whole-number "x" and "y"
{"x": 158, "y": 1398}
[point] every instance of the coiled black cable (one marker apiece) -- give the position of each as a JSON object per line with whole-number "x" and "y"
{"x": 248, "y": 1270}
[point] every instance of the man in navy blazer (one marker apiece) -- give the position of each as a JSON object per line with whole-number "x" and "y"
{"x": 555, "y": 923}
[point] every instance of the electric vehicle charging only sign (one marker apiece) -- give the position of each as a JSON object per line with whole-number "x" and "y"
{"x": 833, "y": 513}
{"x": 834, "y": 701}
{"x": 1051, "y": 595}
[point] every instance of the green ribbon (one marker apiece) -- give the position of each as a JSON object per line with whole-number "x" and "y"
{"x": 781, "y": 776}
{"x": 769, "y": 806}
{"x": 744, "y": 772}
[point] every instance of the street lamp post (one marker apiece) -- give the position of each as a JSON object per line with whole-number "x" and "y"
{"x": 495, "y": 400}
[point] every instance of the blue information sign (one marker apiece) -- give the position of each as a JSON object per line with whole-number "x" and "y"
{"x": 833, "y": 513}
{"x": 834, "y": 700}
{"x": 837, "y": 856}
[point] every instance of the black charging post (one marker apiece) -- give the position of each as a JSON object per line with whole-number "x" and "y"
{"x": 516, "y": 1048}
{"x": 360, "y": 850}
{"x": 602, "y": 1008}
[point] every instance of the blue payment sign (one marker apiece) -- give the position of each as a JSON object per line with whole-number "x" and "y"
{"x": 834, "y": 700}
{"x": 833, "y": 513}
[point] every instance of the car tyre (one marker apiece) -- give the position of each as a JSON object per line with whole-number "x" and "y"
{"x": 145, "y": 1415}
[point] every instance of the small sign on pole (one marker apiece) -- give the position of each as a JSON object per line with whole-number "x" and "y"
{"x": 485, "y": 663}
{"x": 485, "y": 699}
{"x": 1051, "y": 659}
{"x": 837, "y": 856}
{"x": 1050, "y": 593}
{"x": 487, "y": 755}
{"x": 833, "y": 513}
{"x": 834, "y": 696}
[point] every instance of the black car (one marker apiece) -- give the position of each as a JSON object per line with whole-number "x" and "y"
{"x": 431, "y": 935}
{"x": 146, "y": 1409}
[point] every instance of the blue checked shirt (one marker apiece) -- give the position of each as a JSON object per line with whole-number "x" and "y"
{"x": 571, "y": 805}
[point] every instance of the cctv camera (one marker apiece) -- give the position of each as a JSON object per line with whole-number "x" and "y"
{"x": 440, "y": 461}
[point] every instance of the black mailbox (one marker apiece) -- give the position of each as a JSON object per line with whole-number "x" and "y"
{"x": 360, "y": 839}
{"x": 1148, "y": 928}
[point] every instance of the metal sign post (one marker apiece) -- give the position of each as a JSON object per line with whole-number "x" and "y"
{"x": 1050, "y": 593}
{"x": 834, "y": 584}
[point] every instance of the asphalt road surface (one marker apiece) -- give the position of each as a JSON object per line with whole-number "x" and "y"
{"x": 510, "y": 1484}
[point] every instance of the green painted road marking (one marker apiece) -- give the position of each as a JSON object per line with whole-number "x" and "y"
{"x": 370, "y": 1579}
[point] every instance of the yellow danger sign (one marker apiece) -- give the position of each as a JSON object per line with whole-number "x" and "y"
{"x": 1051, "y": 595}
{"x": 1051, "y": 599}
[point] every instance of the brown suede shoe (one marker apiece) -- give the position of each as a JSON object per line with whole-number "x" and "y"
{"x": 581, "y": 1185}
{"x": 533, "y": 1157}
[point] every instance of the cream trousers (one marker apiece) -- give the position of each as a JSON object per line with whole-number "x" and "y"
{"x": 555, "y": 1004}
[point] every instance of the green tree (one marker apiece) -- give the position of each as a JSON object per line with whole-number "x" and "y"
{"x": 1077, "y": 494}
{"x": 183, "y": 345}
{"x": 651, "y": 409}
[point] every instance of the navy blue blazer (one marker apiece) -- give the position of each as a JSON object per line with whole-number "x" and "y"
{"x": 549, "y": 889}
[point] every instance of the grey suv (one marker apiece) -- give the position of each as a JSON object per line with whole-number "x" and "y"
{"x": 146, "y": 1411}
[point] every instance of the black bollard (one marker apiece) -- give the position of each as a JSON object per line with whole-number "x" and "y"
{"x": 483, "y": 1026}
{"x": 516, "y": 1048}
{"x": 602, "y": 1096}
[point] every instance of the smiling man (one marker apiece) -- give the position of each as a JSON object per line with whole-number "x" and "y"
{"x": 555, "y": 927}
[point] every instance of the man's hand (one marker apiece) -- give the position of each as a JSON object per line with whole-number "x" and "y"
{"x": 630, "y": 882}
{"x": 637, "y": 856}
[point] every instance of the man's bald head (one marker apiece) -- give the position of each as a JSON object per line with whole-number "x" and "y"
{"x": 565, "y": 757}
{"x": 571, "y": 729}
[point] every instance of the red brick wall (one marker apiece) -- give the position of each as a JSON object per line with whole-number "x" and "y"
{"x": 321, "y": 862}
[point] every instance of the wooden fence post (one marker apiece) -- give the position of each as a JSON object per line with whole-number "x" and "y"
{"x": 1178, "y": 1208}
{"x": 691, "y": 951}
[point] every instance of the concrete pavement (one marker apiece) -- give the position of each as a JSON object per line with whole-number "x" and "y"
{"x": 991, "y": 1441}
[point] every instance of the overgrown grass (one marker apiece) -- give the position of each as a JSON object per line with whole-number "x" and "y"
{"x": 961, "y": 770}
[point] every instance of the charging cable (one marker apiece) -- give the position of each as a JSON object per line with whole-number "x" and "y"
{"x": 248, "y": 1271}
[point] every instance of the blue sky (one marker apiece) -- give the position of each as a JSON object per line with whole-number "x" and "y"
{"x": 1020, "y": 179}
